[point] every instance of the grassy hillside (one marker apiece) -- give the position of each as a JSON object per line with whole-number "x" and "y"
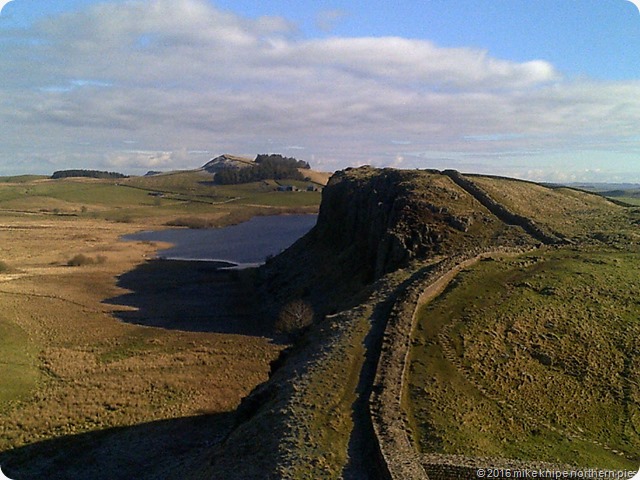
{"x": 21, "y": 178}
{"x": 19, "y": 366}
{"x": 540, "y": 392}
{"x": 568, "y": 211}
{"x": 628, "y": 193}
{"x": 535, "y": 358}
{"x": 154, "y": 199}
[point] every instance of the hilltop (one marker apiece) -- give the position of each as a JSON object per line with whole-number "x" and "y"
{"x": 227, "y": 161}
{"x": 375, "y": 221}
{"x": 232, "y": 169}
{"x": 382, "y": 237}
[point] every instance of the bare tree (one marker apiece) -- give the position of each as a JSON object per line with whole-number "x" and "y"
{"x": 294, "y": 316}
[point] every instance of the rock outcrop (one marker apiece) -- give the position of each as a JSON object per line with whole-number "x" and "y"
{"x": 375, "y": 221}
{"x": 226, "y": 161}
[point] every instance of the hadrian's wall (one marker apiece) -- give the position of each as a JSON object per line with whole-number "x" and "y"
{"x": 460, "y": 467}
{"x": 388, "y": 417}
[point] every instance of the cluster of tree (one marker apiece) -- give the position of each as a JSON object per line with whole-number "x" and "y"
{"x": 257, "y": 173}
{"x": 274, "y": 167}
{"x": 86, "y": 173}
{"x": 272, "y": 158}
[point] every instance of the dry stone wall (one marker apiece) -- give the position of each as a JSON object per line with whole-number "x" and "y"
{"x": 502, "y": 212}
{"x": 460, "y": 467}
{"x": 388, "y": 417}
{"x": 386, "y": 403}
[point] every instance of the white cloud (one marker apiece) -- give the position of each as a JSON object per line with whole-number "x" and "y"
{"x": 420, "y": 63}
{"x": 144, "y": 159}
{"x": 3, "y": 3}
{"x": 181, "y": 75}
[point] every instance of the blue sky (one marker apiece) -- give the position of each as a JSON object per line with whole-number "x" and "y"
{"x": 546, "y": 90}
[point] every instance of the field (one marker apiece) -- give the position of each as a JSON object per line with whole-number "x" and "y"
{"x": 78, "y": 383}
{"x": 533, "y": 358}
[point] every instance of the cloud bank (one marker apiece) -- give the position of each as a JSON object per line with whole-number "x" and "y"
{"x": 167, "y": 84}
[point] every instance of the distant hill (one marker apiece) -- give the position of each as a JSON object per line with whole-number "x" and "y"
{"x": 604, "y": 186}
{"x": 626, "y": 193}
{"x": 321, "y": 178}
{"x": 226, "y": 161}
{"x": 231, "y": 169}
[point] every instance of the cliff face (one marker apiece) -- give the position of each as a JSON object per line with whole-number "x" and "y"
{"x": 383, "y": 219}
{"x": 374, "y": 221}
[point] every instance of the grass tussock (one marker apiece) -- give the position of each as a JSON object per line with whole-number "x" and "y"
{"x": 120, "y": 218}
{"x": 4, "y": 267}
{"x": 81, "y": 260}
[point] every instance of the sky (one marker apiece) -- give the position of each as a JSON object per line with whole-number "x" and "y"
{"x": 544, "y": 90}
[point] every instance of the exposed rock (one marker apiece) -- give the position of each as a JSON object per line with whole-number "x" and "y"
{"x": 385, "y": 240}
{"x": 375, "y": 221}
{"x": 226, "y": 161}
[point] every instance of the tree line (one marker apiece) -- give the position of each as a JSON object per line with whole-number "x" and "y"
{"x": 272, "y": 158}
{"x": 268, "y": 166}
{"x": 86, "y": 173}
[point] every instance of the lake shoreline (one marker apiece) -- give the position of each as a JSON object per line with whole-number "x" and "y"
{"x": 244, "y": 245}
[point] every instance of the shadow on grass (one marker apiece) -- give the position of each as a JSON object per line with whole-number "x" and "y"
{"x": 192, "y": 296}
{"x": 156, "y": 450}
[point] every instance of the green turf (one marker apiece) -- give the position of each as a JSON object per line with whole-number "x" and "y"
{"x": 132, "y": 199}
{"x": 535, "y": 358}
{"x": 21, "y": 178}
{"x": 18, "y": 370}
{"x": 629, "y": 200}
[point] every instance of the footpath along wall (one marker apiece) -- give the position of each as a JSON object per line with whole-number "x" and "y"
{"x": 388, "y": 417}
{"x": 390, "y": 423}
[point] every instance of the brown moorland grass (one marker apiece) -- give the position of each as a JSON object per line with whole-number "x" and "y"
{"x": 95, "y": 371}
{"x": 69, "y": 367}
{"x": 564, "y": 210}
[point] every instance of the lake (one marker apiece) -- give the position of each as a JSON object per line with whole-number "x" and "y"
{"x": 245, "y": 244}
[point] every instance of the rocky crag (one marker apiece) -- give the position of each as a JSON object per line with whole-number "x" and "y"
{"x": 332, "y": 408}
{"x": 373, "y": 222}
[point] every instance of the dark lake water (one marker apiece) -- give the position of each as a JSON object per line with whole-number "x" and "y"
{"x": 245, "y": 244}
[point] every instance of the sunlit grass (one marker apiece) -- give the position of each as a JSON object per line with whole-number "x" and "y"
{"x": 535, "y": 358}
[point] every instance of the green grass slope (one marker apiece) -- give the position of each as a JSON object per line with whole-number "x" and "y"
{"x": 576, "y": 214}
{"x": 144, "y": 199}
{"x": 534, "y": 358}
{"x": 18, "y": 361}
